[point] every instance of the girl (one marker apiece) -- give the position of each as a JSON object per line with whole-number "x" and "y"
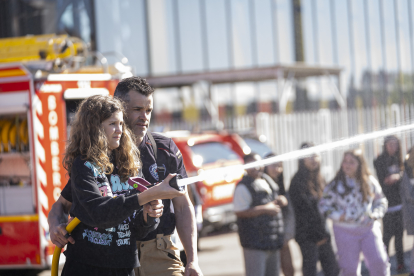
{"x": 389, "y": 167}
{"x": 275, "y": 171}
{"x": 355, "y": 202}
{"x": 100, "y": 157}
{"x": 311, "y": 229}
{"x": 407, "y": 196}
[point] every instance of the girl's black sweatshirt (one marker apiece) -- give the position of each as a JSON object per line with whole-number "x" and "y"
{"x": 111, "y": 218}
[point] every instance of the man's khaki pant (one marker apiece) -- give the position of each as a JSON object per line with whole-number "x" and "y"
{"x": 159, "y": 257}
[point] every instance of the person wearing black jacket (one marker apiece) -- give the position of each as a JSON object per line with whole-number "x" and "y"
{"x": 100, "y": 157}
{"x": 389, "y": 168}
{"x": 311, "y": 234}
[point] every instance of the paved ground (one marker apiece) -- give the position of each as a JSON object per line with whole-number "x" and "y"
{"x": 221, "y": 255}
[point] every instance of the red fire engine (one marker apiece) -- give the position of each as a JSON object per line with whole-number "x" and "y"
{"x": 42, "y": 79}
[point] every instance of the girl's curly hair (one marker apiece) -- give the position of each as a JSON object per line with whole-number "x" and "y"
{"x": 87, "y": 138}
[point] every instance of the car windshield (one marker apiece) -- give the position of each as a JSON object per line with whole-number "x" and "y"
{"x": 212, "y": 152}
{"x": 258, "y": 147}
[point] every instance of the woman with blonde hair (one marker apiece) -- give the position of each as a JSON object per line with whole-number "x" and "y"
{"x": 100, "y": 158}
{"x": 355, "y": 202}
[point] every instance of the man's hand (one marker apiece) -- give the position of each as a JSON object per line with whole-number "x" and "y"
{"x": 270, "y": 208}
{"x": 58, "y": 219}
{"x": 281, "y": 201}
{"x": 57, "y": 235}
{"x": 192, "y": 269}
{"x": 154, "y": 209}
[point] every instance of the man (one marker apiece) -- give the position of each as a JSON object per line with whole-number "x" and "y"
{"x": 157, "y": 254}
{"x": 259, "y": 220}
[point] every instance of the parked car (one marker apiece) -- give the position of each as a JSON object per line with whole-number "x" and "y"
{"x": 203, "y": 152}
{"x": 258, "y": 147}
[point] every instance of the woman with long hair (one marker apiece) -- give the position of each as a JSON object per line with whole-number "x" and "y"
{"x": 389, "y": 167}
{"x": 355, "y": 202}
{"x": 311, "y": 230}
{"x": 275, "y": 171}
{"x": 407, "y": 197}
{"x": 100, "y": 158}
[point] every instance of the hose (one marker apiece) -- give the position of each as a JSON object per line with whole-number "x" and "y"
{"x": 58, "y": 250}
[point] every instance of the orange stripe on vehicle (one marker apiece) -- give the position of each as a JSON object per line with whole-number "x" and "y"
{"x": 12, "y": 73}
{"x": 19, "y": 218}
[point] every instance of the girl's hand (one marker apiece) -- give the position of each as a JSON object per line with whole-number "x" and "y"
{"x": 321, "y": 242}
{"x": 165, "y": 191}
{"x": 160, "y": 191}
{"x": 392, "y": 179}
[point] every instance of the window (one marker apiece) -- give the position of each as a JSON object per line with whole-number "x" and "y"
{"x": 212, "y": 152}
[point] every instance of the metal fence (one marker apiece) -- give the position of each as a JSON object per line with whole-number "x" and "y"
{"x": 287, "y": 132}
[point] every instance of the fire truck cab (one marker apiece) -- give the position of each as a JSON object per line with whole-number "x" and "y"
{"x": 42, "y": 79}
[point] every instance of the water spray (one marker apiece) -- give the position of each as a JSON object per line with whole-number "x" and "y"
{"x": 225, "y": 171}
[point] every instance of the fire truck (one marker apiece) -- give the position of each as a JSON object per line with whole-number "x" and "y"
{"x": 42, "y": 80}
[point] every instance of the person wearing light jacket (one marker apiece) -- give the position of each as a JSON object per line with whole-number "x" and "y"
{"x": 355, "y": 202}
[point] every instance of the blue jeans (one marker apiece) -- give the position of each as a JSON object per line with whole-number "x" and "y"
{"x": 261, "y": 262}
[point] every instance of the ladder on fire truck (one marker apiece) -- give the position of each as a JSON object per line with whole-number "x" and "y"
{"x": 53, "y": 53}
{"x": 45, "y": 52}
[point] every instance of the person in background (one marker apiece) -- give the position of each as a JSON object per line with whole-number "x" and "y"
{"x": 355, "y": 202}
{"x": 312, "y": 233}
{"x": 275, "y": 171}
{"x": 389, "y": 167}
{"x": 257, "y": 206}
{"x": 407, "y": 197}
